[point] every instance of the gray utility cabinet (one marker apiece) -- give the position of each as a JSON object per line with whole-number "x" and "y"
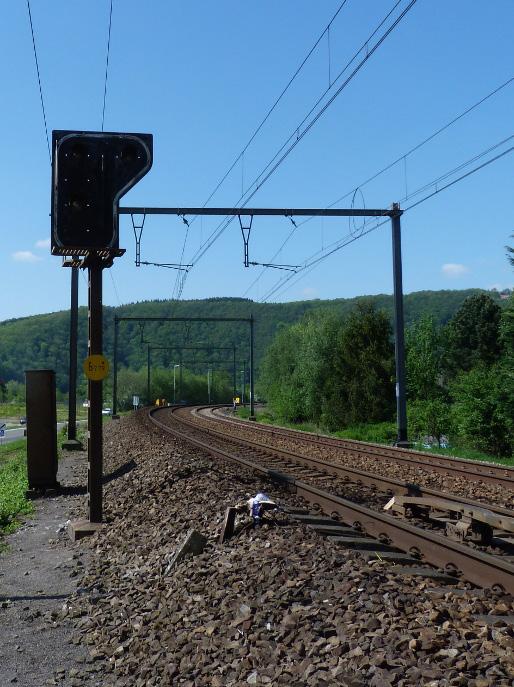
{"x": 41, "y": 429}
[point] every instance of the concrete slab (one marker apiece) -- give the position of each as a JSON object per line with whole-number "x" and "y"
{"x": 360, "y": 543}
{"x": 340, "y": 530}
{"x": 389, "y": 556}
{"x": 426, "y": 572}
{"x": 78, "y": 529}
{"x": 316, "y": 520}
{"x": 72, "y": 445}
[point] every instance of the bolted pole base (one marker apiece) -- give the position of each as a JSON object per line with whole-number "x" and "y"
{"x": 78, "y": 529}
{"x": 72, "y": 445}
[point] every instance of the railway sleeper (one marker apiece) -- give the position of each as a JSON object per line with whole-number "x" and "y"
{"x": 371, "y": 549}
{"x": 462, "y": 522}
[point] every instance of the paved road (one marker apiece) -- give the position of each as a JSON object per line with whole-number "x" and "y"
{"x": 19, "y": 433}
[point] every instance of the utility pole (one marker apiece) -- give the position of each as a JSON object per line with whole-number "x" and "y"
{"x": 243, "y": 383}
{"x": 174, "y": 384}
{"x": 72, "y": 443}
{"x": 252, "y": 395}
{"x": 95, "y": 441}
{"x": 149, "y": 401}
{"x": 234, "y": 371}
{"x": 399, "y": 343}
{"x": 180, "y": 378}
{"x": 115, "y": 415}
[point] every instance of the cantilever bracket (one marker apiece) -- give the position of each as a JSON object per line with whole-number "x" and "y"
{"x": 245, "y": 231}
{"x": 288, "y": 268}
{"x": 138, "y": 232}
{"x": 169, "y": 265}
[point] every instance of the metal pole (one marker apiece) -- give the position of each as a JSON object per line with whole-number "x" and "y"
{"x": 252, "y": 400}
{"x": 94, "y": 444}
{"x": 72, "y": 385}
{"x": 115, "y": 415}
{"x": 234, "y": 375}
{"x": 174, "y": 383}
{"x": 148, "y": 375}
{"x": 209, "y": 384}
{"x": 243, "y": 382}
{"x": 399, "y": 344}
{"x": 180, "y": 378}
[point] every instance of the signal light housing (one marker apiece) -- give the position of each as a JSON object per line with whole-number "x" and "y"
{"x": 91, "y": 171}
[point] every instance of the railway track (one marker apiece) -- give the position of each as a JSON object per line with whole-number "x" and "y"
{"x": 298, "y": 473}
{"x": 446, "y": 465}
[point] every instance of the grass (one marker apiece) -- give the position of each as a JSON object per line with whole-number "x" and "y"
{"x": 13, "y": 485}
{"x": 14, "y": 411}
{"x": 379, "y": 433}
{"x": 466, "y": 452}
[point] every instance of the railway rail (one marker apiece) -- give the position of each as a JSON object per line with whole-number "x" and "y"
{"x": 446, "y": 465}
{"x": 476, "y": 566}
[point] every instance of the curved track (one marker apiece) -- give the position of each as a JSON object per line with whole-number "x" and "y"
{"x": 476, "y": 566}
{"x": 487, "y": 472}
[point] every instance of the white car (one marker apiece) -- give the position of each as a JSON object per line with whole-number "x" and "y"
{"x": 106, "y": 411}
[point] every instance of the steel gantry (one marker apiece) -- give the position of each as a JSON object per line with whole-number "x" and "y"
{"x": 394, "y": 213}
{"x": 182, "y": 362}
{"x": 249, "y": 320}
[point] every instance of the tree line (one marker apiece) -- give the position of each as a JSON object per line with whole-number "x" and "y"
{"x": 339, "y": 371}
{"x": 41, "y": 341}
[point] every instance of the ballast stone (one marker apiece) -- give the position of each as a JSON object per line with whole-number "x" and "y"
{"x": 194, "y": 544}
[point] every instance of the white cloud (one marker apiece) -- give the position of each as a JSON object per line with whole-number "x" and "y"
{"x": 25, "y": 256}
{"x": 43, "y": 243}
{"x": 309, "y": 292}
{"x": 454, "y": 270}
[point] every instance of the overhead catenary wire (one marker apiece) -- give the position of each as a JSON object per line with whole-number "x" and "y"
{"x": 400, "y": 158}
{"x": 298, "y": 135}
{"x": 311, "y": 262}
{"x": 107, "y": 63}
{"x": 275, "y": 104}
{"x": 39, "y": 81}
{"x": 114, "y": 287}
{"x": 240, "y": 156}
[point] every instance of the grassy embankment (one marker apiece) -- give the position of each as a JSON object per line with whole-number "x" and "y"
{"x": 13, "y": 481}
{"x": 381, "y": 433}
{"x": 13, "y": 485}
{"x": 13, "y": 411}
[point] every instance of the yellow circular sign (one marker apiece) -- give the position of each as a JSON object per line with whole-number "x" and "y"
{"x": 96, "y": 367}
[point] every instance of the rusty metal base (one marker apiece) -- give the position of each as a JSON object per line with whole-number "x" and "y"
{"x": 72, "y": 445}
{"x": 41, "y": 491}
{"x": 78, "y": 529}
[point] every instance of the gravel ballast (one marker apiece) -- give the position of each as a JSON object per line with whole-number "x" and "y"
{"x": 277, "y": 605}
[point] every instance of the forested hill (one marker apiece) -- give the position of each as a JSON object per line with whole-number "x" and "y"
{"x": 41, "y": 341}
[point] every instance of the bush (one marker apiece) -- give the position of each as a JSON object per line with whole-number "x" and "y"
{"x": 378, "y": 433}
{"x": 430, "y": 417}
{"x": 483, "y": 410}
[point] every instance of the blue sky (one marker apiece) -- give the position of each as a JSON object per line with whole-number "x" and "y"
{"x": 200, "y": 76}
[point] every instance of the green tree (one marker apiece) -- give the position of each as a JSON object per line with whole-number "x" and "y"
{"x": 130, "y": 383}
{"x": 280, "y": 376}
{"x": 473, "y": 334}
{"x": 429, "y": 417}
{"x": 510, "y": 253}
{"x": 483, "y": 410}
{"x": 424, "y": 359}
{"x": 366, "y": 366}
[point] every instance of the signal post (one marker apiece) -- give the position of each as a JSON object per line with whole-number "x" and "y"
{"x": 91, "y": 171}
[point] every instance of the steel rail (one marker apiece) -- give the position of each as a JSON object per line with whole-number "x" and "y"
{"x": 389, "y": 485}
{"x": 479, "y": 568}
{"x": 487, "y": 472}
